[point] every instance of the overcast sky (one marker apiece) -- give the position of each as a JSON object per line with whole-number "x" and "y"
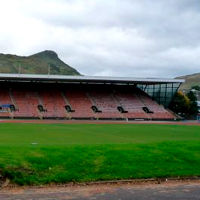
{"x": 140, "y": 38}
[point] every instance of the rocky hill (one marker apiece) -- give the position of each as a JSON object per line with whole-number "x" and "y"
{"x": 41, "y": 63}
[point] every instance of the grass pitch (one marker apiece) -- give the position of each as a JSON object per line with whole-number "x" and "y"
{"x": 60, "y": 153}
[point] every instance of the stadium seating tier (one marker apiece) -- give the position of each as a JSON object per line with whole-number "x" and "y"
{"x": 80, "y": 101}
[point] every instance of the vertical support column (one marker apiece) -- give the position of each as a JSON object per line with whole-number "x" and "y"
{"x": 159, "y": 93}
{"x": 165, "y": 104}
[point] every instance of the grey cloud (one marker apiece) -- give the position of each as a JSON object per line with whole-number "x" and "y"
{"x": 98, "y": 37}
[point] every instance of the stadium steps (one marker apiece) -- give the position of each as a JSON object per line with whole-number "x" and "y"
{"x": 132, "y": 104}
{"x": 159, "y": 111}
{"x": 92, "y": 102}
{"x": 13, "y": 102}
{"x": 67, "y": 103}
{"x": 54, "y": 103}
{"x": 27, "y": 103}
{"x": 40, "y": 103}
{"x": 117, "y": 103}
{"x": 12, "y": 99}
{"x": 104, "y": 101}
{"x": 176, "y": 116}
{"x": 149, "y": 116}
{"x": 90, "y": 98}
{"x": 80, "y": 103}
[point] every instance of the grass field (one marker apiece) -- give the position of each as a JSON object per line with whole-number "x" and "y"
{"x": 60, "y": 153}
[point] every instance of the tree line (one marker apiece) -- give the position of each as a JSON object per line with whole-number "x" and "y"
{"x": 185, "y": 105}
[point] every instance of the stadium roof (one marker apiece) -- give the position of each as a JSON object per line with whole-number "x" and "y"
{"x": 83, "y": 79}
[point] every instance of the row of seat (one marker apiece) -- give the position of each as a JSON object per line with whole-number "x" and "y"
{"x": 54, "y": 101}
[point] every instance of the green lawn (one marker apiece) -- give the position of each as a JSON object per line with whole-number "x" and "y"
{"x": 44, "y": 153}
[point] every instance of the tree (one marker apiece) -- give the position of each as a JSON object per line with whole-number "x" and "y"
{"x": 191, "y": 96}
{"x": 193, "y": 109}
{"x": 180, "y": 104}
{"x": 196, "y": 87}
{"x": 184, "y": 105}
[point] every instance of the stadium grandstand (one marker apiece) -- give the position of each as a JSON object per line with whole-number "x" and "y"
{"x": 86, "y": 97}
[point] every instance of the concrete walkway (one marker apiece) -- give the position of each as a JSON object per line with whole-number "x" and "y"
{"x": 166, "y": 191}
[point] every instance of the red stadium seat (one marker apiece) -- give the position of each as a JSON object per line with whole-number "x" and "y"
{"x": 131, "y": 102}
{"x": 77, "y": 103}
{"x": 54, "y": 103}
{"x": 106, "y": 103}
{"x": 26, "y": 103}
{"x": 80, "y": 103}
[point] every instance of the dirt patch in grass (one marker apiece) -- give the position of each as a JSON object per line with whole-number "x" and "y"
{"x": 4, "y": 181}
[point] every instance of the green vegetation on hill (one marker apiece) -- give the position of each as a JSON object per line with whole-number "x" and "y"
{"x": 190, "y": 80}
{"x": 39, "y": 63}
{"x": 60, "y": 153}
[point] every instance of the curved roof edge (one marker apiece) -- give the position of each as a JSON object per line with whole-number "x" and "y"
{"x": 97, "y": 79}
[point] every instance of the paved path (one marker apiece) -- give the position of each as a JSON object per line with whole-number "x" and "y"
{"x": 184, "y": 191}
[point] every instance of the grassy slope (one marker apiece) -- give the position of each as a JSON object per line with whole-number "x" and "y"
{"x": 35, "y": 64}
{"x": 190, "y": 80}
{"x": 97, "y": 152}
